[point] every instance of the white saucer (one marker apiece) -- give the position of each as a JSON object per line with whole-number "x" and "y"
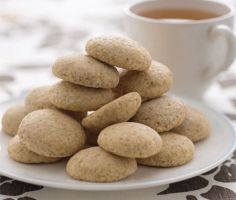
{"x": 209, "y": 153}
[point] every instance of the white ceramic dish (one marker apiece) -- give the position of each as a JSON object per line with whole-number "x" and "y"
{"x": 209, "y": 153}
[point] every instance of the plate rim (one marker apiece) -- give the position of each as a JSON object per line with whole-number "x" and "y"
{"x": 133, "y": 186}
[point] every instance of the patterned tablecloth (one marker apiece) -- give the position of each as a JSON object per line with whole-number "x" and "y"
{"x": 34, "y": 33}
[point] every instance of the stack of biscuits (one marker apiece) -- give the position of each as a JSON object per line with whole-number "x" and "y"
{"x": 107, "y": 121}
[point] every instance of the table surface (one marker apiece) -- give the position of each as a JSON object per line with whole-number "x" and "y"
{"x": 31, "y": 38}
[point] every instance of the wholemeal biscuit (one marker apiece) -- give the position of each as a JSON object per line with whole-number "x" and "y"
{"x": 38, "y": 98}
{"x": 119, "y": 51}
{"x": 130, "y": 139}
{"x": 74, "y": 97}
{"x": 12, "y": 118}
{"x": 150, "y": 84}
{"x": 18, "y": 152}
{"x": 85, "y": 70}
{"x": 176, "y": 150}
{"x": 195, "y": 126}
{"x": 51, "y": 133}
{"x": 118, "y": 110}
{"x": 96, "y": 165}
{"x": 161, "y": 114}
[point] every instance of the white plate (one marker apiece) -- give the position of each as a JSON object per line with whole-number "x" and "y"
{"x": 209, "y": 153}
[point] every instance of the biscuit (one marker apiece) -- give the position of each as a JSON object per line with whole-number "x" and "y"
{"x": 120, "y": 52}
{"x": 12, "y": 118}
{"x": 51, "y": 133}
{"x": 96, "y": 165}
{"x": 130, "y": 139}
{"x": 38, "y": 98}
{"x": 150, "y": 84}
{"x": 18, "y": 152}
{"x": 85, "y": 70}
{"x": 176, "y": 150}
{"x": 73, "y": 97}
{"x": 195, "y": 126}
{"x": 118, "y": 110}
{"x": 161, "y": 114}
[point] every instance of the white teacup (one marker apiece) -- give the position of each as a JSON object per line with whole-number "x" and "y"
{"x": 195, "y": 50}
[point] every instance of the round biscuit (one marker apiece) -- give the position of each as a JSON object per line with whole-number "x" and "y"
{"x": 96, "y": 165}
{"x": 12, "y": 118}
{"x": 176, "y": 150}
{"x": 195, "y": 126}
{"x": 150, "y": 84}
{"x": 161, "y": 114}
{"x": 119, "y": 51}
{"x": 118, "y": 110}
{"x": 85, "y": 70}
{"x": 18, "y": 152}
{"x": 74, "y": 97}
{"x": 130, "y": 139}
{"x": 38, "y": 98}
{"x": 51, "y": 133}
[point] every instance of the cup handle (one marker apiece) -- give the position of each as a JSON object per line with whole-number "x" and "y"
{"x": 230, "y": 39}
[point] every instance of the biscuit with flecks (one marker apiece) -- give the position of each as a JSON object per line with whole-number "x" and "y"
{"x": 130, "y": 139}
{"x": 119, "y": 51}
{"x": 18, "y": 152}
{"x": 51, "y": 133}
{"x": 150, "y": 84}
{"x": 38, "y": 98}
{"x": 74, "y": 97}
{"x": 176, "y": 150}
{"x": 12, "y": 118}
{"x": 118, "y": 110}
{"x": 85, "y": 70}
{"x": 97, "y": 165}
{"x": 195, "y": 126}
{"x": 161, "y": 114}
